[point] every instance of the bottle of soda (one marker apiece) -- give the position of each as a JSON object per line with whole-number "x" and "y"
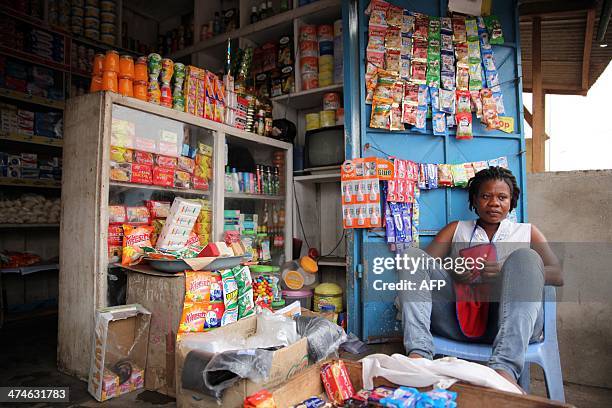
{"x": 254, "y": 15}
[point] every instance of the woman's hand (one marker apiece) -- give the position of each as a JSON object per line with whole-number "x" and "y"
{"x": 491, "y": 271}
{"x": 464, "y": 277}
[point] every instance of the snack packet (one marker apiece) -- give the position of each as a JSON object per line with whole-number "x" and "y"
{"x": 459, "y": 175}
{"x": 230, "y": 289}
{"x": 116, "y": 214}
{"x": 464, "y": 125}
{"x": 445, "y": 175}
{"x": 121, "y": 154}
{"x": 438, "y": 120}
{"x": 380, "y": 117}
{"x": 496, "y": 36}
{"x": 200, "y": 316}
{"x": 137, "y": 215}
{"x": 203, "y": 286}
{"x": 134, "y": 239}
{"x": 246, "y": 306}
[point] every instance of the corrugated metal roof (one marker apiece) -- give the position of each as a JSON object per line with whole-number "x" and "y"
{"x": 562, "y": 50}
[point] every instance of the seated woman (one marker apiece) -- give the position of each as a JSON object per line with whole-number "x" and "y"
{"x": 514, "y": 280}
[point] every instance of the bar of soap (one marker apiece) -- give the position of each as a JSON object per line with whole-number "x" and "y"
{"x": 224, "y": 250}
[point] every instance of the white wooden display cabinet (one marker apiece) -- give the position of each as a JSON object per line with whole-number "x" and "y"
{"x": 87, "y": 191}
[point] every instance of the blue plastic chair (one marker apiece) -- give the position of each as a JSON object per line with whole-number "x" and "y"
{"x": 544, "y": 353}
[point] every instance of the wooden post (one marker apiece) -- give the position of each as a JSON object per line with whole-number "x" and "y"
{"x": 538, "y": 146}
{"x": 588, "y": 43}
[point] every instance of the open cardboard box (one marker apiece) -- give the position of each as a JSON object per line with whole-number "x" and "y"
{"x": 121, "y": 333}
{"x": 308, "y": 383}
{"x": 286, "y": 362}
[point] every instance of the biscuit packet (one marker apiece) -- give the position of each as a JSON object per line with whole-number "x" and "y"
{"x": 134, "y": 239}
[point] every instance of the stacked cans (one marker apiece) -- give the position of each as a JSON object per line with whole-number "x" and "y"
{"x": 309, "y": 53}
{"x": 325, "y": 37}
{"x": 95, "y": 19}
{"x": 338, "y": 57}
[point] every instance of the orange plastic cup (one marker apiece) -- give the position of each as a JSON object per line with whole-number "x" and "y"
{"x": 98, "y": 64}
{"x": 109, "y": 81}
{"x": 140, "y": 90}
{"x": 96, "y": 83}
{"x": 126, "y": 67}
{"x": 125, "y": 87}
{"x": 140, "y": 70}
{"x": 111, "y": 61}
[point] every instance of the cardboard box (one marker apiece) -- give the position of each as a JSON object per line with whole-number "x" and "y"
{"x": 163, "y": 295}
{"x": 120, "y": 333}
{"x": 308, "y": 383}
{"x": 286, "y": 362}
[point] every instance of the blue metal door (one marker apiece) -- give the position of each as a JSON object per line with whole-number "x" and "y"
{"x": 372, "y": 314}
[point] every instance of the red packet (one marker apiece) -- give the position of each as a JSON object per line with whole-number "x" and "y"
{"x": 142, "y": 174}
{"x": 337, "y": 382}
{"x": 163, "y": 177}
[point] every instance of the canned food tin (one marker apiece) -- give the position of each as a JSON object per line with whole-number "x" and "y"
{"x": 92, "y": 11}
{"x": 107, "y": 28}
{"x": 326, "y": 48}
{"x": 310, "y": 81}
{"x": 325, "y": 32}
{"x": 108, "y": 5}
{"x": 309, "y": 65}
{"x": 309, "y": 49}
{"x": 331, "y": 101}
{"x": 340, "y": 116}
{"x": 308, "y": 33}
{"x": 312, "y": 121}
{"x": 92, "y": 23}
{"x": 109, "y": 39}
{"x": 92, "y": 33}
{"x": 108, "y": 17}
{"x": 327, "y": 118}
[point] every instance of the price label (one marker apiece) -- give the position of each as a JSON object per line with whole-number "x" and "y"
{"x": 507, "y": 124}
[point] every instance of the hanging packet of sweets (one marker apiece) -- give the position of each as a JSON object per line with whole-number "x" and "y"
{"x": 377, "y": 10}
{"x": 418, "y": 73}
{"x": 371, "y": 78}
{"x": 480, "y": 165}
{"x": 432, "y": 175}
{"x": 395, "y": 118}
{"x": 434, "y": 28}
{"x": 476, "y": 103}
{"x": 469, "y": 170}
{"x": 407, "y": 23}
{"x": 459, "y": 176}
{"x": 499, "y": 103}
{"x": 383, "y": 93}
{"x": 463, "y": 76}
{"x": 392, "y": 61}
{"x": 405, "y": 67}
{"x": 489, "y": 109}
{"x": 463, "y": 102}
{"x": 438, "y": 121}
{"x": 393, "y": 39}
{"x": 471, "y": 29}
{"x": 475, "y": 70}
{"x": 464, "y": 125}
{"x": 496, "y": 36}
{"x": 422, "y": 181}
{"x": 434, "y": 97}
{"x": 493, "y": 81}
{"x": 445, "y": 175}
{"x": 459, "y": 34}
{"x": 419, "y": 50}
{"x": 421, "y": 27}
{"x": 409, "y": 113}
{"x": 380, "y": 117}
{"x": 447, "y": 101}
{"x": 394, "y": 16}
{"x": 488, "y": 60}
{"x": 421, "y": 119}
{"x": 397, "y": 94}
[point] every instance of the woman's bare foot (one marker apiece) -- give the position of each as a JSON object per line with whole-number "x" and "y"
{"x": 510, "y": 378}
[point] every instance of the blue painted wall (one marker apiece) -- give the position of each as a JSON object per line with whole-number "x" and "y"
{"x": 371, "y": 315}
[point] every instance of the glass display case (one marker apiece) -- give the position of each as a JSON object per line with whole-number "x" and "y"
{"x": 125, "y": 161}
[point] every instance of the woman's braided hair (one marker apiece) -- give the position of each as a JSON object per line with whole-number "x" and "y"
{"x": 493, "y": 173}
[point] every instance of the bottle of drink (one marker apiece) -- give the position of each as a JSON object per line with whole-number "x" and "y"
{"x": 263, "y": 14}
{"x": 235, "y": 181}
{"x": 284, "y": 5}
{"x": 269, "y": 180}
{"x": 276, "y": 181}
{"x": 269, "y": 9}
{"x": 254, "y": 15}
{"x": 258, "y": 179}
{"x": 228, "y": 180}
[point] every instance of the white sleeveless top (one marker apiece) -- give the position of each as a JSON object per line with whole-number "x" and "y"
{"x": 509, "y": 237}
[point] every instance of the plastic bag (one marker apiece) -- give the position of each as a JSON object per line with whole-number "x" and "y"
{"x": 324, "y": 337}
{"x": 273, "y": 330}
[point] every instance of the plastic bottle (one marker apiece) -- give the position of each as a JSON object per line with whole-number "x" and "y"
{"x": 254, "y": 15}
{"x": 228, "y": 180}
{"x": 269, "y": 9}
{"x": 263, "y": 14}
{"x": 235, "y": 182}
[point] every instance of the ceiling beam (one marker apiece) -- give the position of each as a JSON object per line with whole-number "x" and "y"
{"x": 588, "y": 43}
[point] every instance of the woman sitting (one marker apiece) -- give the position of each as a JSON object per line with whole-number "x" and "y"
{"x": 511, "y": 285}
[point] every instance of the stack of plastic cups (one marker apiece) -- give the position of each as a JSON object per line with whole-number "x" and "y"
{"x": 98, "y": 68}
{"x": 141, "y": 76}
{"x": 153, "y": 90}
{"x": 110, "y": 71}
{"x": 338, "y": 66}
{"x": 325, "y": 36}
{"x": 126, "y": 75}
{"x": 166, "y": 76}
{"x": 309, "y": 62}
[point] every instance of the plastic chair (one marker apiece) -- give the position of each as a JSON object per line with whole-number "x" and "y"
{"x": 544, "y": 353}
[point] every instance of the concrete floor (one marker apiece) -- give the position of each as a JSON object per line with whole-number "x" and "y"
{"x": 28, "y": 358}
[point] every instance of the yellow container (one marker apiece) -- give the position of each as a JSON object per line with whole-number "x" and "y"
{"x": 328, "y": 294}
{"x": 312, "y": 121}
{"x": 327, "y": 118}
